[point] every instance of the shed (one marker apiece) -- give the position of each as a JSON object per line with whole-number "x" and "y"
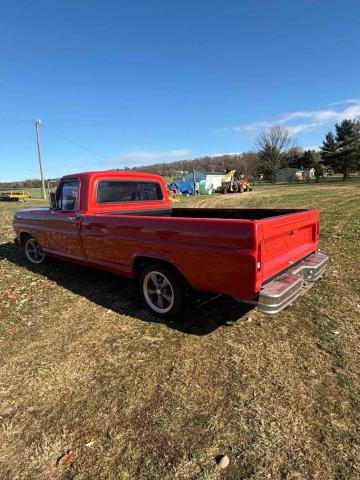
{"x": 210, "y": 177}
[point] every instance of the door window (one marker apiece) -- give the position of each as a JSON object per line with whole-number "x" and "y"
{"x": 68, "y": 196}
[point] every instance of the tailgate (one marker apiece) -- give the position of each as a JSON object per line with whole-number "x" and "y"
{"x": 287, "y": 239}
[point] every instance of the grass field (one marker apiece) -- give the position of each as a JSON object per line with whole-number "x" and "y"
{"x": 85, "y": 368}
{"x": 36, "y": 193}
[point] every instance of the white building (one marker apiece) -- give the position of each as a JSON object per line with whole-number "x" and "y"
{"x": 295, "y": 175}
{"x": 213, "y": 178}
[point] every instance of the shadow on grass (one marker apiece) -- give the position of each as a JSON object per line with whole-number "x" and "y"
{"x": 204, "y": 315}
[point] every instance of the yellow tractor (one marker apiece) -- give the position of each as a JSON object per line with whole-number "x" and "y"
{"x": 232, "y": 183}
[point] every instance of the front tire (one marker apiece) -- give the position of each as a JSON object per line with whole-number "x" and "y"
{"x": 162, "y": 290}
{"x": 33, "y": 251}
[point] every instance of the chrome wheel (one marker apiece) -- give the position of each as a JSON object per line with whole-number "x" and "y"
{"x": 33, "y": 252}
{"x": 158, "y": 292}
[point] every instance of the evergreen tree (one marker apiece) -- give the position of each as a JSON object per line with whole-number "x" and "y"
{"x": 293, "y": 158}
{"x": 342, "y": 151}
{"x": 348, "y": 146}
{"x": 328, "y": 148}
{"x": 309, "y": 160}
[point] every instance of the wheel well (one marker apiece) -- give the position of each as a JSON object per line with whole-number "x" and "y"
{"x": 23, "y": 237}
{"x": 142, "y": 262}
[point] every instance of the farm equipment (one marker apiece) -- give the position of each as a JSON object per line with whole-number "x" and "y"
{"x": 232, "y": 183}
{"x": 19, "y": 196}
{"x": 245, "y": 185}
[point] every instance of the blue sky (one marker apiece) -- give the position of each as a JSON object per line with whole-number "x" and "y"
{"x": 139, "y": 82}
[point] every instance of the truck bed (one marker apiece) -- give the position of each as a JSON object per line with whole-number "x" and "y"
{"x": 233, "y": 213}
{"x": 238, "y": 249}
{"x": 288, "y": 234}
{"x": 224, "y": 213}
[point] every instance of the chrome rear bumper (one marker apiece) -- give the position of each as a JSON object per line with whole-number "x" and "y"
{"x": 284, "y": 289}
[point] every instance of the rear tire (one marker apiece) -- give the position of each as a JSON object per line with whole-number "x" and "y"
{"x": 162, "y": 290}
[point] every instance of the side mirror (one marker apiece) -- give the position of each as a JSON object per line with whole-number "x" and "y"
{"x": 53, "y": 205}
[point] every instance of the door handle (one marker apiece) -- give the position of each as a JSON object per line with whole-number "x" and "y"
{"x": 74, "y": 217}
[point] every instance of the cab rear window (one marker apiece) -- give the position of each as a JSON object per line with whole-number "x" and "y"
{"x": 117, "y": 191}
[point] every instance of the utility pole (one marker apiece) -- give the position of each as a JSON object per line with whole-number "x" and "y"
{"x": 37, "y": 123}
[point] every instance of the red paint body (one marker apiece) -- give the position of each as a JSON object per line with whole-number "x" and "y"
{"x": 230, "y": 255}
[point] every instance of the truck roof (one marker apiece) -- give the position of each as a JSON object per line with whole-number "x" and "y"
{"x": 113, "y": 173}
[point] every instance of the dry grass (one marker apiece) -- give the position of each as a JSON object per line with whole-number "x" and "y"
{"x": 85, "y": 368}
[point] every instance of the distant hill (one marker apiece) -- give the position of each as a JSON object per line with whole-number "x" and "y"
{"x": 243, "y": 162}
{"x": 26, "y": 184}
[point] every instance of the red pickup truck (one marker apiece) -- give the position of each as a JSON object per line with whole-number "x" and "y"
{"x": 123, "y": 222}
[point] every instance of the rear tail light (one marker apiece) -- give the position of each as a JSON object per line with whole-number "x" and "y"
{"x": 315, "y": 231}
{"x": 258, "y": 263}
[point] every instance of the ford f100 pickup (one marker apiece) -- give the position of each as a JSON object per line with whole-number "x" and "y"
{"x": 123, "y": 222}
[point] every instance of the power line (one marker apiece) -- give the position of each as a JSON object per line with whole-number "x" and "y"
{"x": 21, "y": 120}
{"x": 64, "y": 137}
{"x": 76, "y": 143}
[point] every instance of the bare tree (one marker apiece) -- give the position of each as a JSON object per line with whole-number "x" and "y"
{"x": 273, "y": 145}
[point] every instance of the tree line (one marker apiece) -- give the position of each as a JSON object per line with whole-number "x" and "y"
{"x": 274, "y": 149}
{"x": 25, "y": 184}
{"x": 252, "y": 164}
{"x": 340, "y": 151}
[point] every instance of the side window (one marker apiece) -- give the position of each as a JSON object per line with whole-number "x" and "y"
{"x": 68, "y": 195}
{"x": 115, "y": 191}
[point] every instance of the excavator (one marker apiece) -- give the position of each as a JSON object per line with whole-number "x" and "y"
{"x": 232, "y": 183}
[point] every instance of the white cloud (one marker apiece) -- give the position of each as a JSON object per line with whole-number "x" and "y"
{"x": 311, "y": 147}
{"x": 347, "y": 100}
{"x": 142, "y": 157}
{"x": 307, "y": 120}
{"x": 251, "y": 127}
{"x": 317, "y": 116}
{"x": 222, "y": 154}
